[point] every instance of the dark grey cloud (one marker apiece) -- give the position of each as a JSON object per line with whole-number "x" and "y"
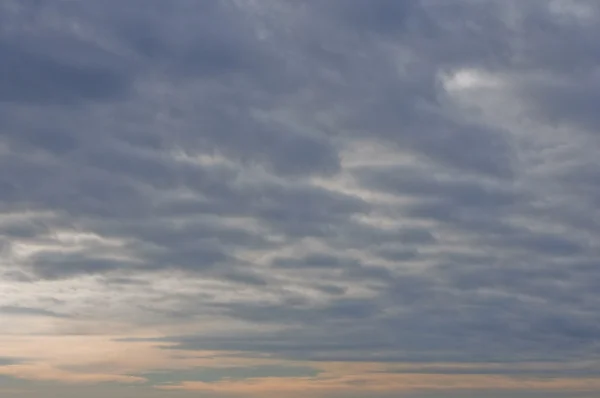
{"x": 352, "y": 174}
{"x": 316, "y": 260}
{"x": 52, "y": 264}
{"x": 397, "y": 254}
{"x": 338, "y": 309}
{"x": 39, "y": 79}
{"x": 492, "y": 335}
{"x": 47, "y": 66}
{"x": 382, "y": 16}
{"x": 512, "y": 371}
{"x": 331, "y": 289}
{"x": 245, "y": 277}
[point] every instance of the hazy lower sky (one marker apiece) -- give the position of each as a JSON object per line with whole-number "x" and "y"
{"x": 299, "y": 198}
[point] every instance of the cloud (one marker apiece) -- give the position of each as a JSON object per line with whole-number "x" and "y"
{"x": 27, "y": 311}
{"x": 210, "y": 375}
{"x": 8, "y": 361}
{"x": 347, "y": 182}
{"x": 33, "y": 78}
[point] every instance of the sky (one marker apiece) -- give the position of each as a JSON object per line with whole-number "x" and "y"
{"x": 299, "y": 198}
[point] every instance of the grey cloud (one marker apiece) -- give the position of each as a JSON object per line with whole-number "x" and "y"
{"x": 471, "y": 206}
{"x": 28, "y": 311}
{"x": 472, "y": 336}
{"x": 289, "y": 153}
{"x": 397, "y": 254}
{"x": 4, "y": 361}
{"x": 302, "y": 313}
{"x": 333, "y": 266}
{"x": 513, "y": 371}
{"x": 300, "y": 155}
{"x": 209, "y": 375}
{"x": 546, "y": 243}
{"x": 459, "y": 193}
{"x": 193, "y": 258}
{"x": 370, "y": 272}
{"x": 506, "y": 324}
{"x": 361, "y": 235}
{"x": 331, "y": 289}
{"x": 379, "y": 16}
{"x": 125, "y": 281}
{"x": 56, "y": 264}
{"x": 215, "y": 40}
{"x": 316, "y": 260}
{"x": 567, "y": 93}
{"x": 245, "y": 277}
{"x": 23, "y": 230}
{"x": 207, "y": 138}
{"x": 224, "y": 43}
{"x": 570, "y": 102}
{"x": 37, "y": 78}
{"x": 468, "y": 205}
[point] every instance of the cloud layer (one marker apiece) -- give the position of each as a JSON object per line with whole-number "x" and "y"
{"x": 376, "y": 183}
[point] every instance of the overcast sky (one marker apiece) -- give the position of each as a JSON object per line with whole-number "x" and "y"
{"x": 303, "y": 198}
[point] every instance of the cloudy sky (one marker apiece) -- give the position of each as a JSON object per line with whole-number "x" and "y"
{"x": 324, "y": 198}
